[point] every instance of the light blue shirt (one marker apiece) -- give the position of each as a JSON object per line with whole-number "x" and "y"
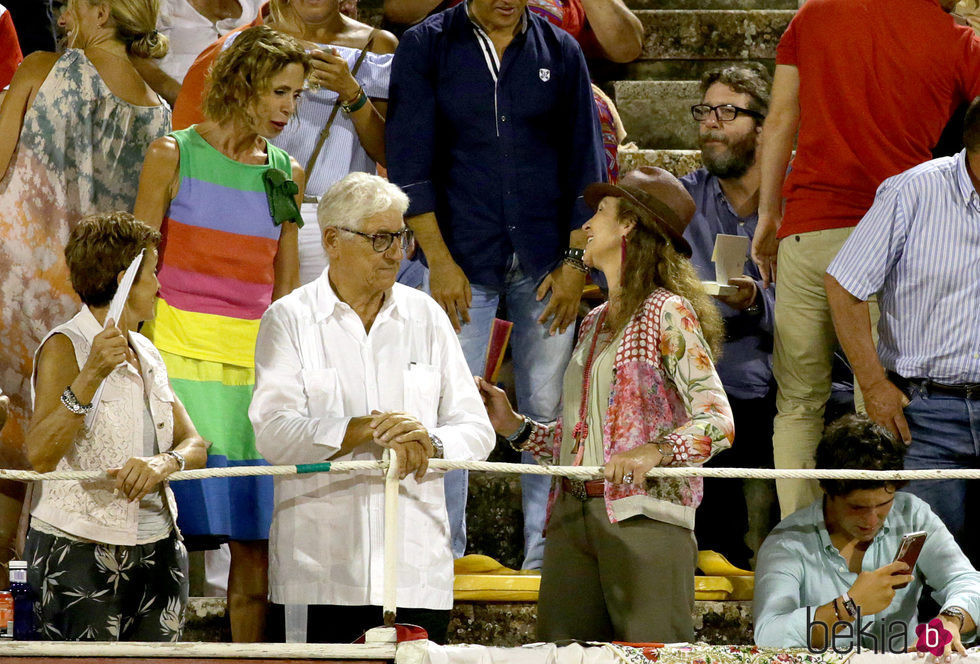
{"x": 918, "y": 247}
{"x": 799, "y": 568}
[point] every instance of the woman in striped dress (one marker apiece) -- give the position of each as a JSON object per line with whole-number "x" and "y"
{"x": 220, "y": 192}
{"x": 355, "y": 141}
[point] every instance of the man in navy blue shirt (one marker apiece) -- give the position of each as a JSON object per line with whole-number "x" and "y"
{"x": 493, "y": 134}
{"x": 726, "y": 191}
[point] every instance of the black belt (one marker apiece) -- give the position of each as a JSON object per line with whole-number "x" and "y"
{"x": 965, "y": 391}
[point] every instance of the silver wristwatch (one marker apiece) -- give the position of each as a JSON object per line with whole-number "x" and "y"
{"x": 955, "y": 612}
{"x": 438, "y": 449}
{"x": 181, "y": 461}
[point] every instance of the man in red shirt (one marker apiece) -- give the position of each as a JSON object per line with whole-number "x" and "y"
{"x": 869, "y": 85}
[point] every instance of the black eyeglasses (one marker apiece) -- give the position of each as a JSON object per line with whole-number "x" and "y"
{"x": 723, "y": 112}
{"x": 381, "y": 242}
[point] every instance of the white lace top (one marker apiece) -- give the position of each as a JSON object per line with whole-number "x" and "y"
{"x": 89, "y": 510}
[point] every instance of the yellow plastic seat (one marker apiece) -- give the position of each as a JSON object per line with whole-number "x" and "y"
{"x": 483, "y": 579}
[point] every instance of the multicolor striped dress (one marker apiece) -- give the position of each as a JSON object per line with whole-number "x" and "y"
{"x": 216, "y": 280}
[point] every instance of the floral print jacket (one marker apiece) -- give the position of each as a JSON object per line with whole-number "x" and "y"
{"x": 664, "y": 389}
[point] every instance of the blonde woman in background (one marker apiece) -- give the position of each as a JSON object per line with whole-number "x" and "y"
{"x": 74, "y": 129}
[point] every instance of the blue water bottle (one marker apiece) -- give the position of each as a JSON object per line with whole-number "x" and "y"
{"x": 23, "y": 602}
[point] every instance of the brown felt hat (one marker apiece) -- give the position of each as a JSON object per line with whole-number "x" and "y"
{"x": 656, "y": 192}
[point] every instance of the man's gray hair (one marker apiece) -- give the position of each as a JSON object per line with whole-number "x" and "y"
{"x": 356, "y": 197}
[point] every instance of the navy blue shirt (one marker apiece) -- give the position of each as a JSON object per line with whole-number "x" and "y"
{"x": 502, "y": 165}
{"x": 745, "y": 367}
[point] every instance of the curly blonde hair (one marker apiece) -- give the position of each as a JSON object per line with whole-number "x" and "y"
{"x": 245, "y": 69}
{"x": 136, "y": 25}
{"x": 652, "y": 262}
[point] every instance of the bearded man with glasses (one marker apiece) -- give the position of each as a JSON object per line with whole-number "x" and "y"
{"x": 734, "y": 103}
{"x": 347, "y": 366}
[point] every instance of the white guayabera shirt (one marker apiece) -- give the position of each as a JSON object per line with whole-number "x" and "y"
{"x": 316, "y": 368}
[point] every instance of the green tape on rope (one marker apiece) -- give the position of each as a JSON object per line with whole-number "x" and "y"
{"x": 312, "y": 467}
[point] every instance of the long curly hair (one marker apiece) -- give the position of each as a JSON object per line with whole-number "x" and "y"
{"x": 245, "y": 70}
{"x": 652, "y": 262}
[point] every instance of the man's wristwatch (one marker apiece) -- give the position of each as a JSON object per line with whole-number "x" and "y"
{"x": 955, "y": 612}
{"x": 181, "y": 461}
{"x": 438, "y": 449}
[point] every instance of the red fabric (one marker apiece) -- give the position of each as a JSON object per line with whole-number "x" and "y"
{"x": 403, "y": 632}
{"x": 10, "y": 55}
{"x": 610, "y": 140}
{"x": 878, "y": 82}
{"x": 499, "y": 337}
{"x": 187, "y": 108}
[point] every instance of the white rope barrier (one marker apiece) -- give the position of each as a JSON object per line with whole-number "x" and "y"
{"x": 389, "y": 465}
{"x": 594, "y": 472}
{"x": 100, "y": 651}
{"x": 571, "y": 472}
{"x": 201, "y": 473}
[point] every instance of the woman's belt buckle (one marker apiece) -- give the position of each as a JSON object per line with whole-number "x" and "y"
{"x": 577, "y": 489}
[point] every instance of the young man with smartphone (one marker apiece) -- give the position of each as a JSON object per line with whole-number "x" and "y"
{"x": 830, "y": 571}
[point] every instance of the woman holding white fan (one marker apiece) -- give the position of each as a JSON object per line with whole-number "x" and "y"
{"x": 104, "y": 557}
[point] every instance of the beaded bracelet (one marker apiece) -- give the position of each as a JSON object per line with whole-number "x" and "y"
{"x": 520, "y": 436}
{"x": 576, "y": 263}
{"x": 357, "y": 104}
{"x": 71, "y": 402}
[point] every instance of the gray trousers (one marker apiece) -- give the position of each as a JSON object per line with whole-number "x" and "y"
{"x": 628, "y": 581}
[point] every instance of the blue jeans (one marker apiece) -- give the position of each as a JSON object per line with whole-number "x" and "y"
{"x": 413, "y": 274}
{"x": 945, "y": 434}
{"x": 539, "y": 366}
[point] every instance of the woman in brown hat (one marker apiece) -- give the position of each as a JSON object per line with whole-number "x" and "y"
{"x": 640, "y": 391}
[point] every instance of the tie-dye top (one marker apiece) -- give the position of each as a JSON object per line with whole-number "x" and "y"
{"x": 80, "y": 152}
{"x": 217, "y": 266}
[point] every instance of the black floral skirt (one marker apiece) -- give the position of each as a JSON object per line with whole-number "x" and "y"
{"x": 87, "y": 591}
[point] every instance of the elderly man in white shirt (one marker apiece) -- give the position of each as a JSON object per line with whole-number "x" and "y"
{"x": 346, "y": 366}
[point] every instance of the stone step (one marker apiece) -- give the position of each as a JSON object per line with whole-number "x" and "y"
{"x": 678, "y": 162}
{"x": 503, "y": 624}
{"x": 657, "y": 114}
{"x": 712, "y": 34}
{"x": 661, "y": 70}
